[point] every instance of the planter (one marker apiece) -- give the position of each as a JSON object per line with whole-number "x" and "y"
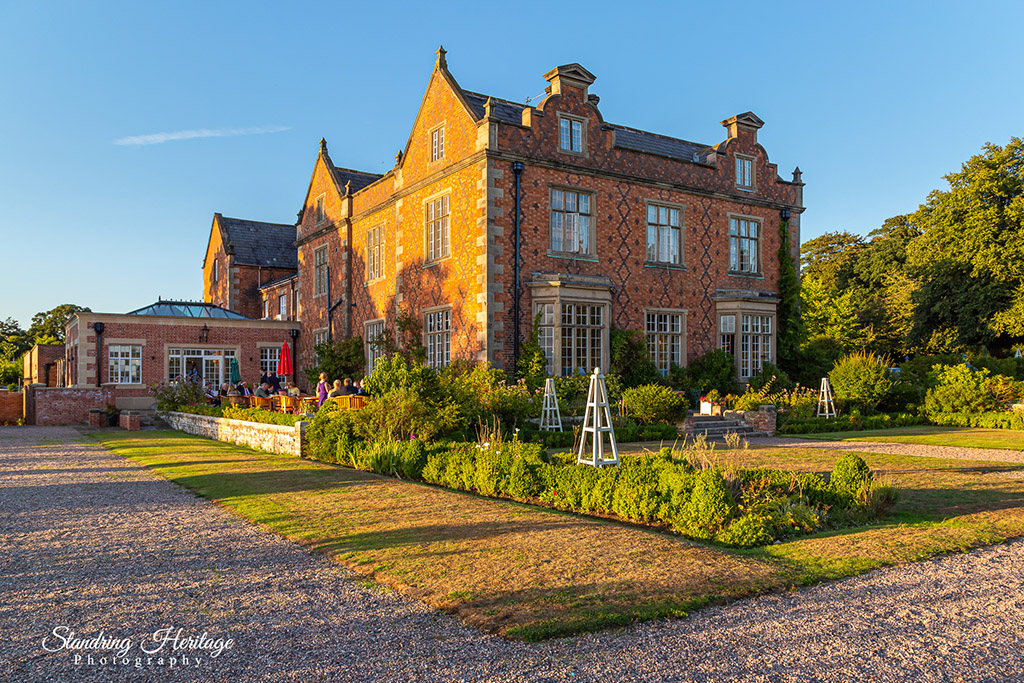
{"x": 705, "y": 408}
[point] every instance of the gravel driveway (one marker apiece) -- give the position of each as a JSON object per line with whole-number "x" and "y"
{"x": 918, "y": 450}
{"x": 93, "y": 543}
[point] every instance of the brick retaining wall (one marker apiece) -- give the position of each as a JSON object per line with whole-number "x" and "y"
{"x": 264, "y": 437}
{"x": 10, "y": 407}
{"x": 52, "y": 406}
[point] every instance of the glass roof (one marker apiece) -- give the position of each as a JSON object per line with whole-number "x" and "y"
{"x": 187, "y": 309}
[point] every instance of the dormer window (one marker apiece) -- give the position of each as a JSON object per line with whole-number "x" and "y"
{"x": 321, "y": 213}
{"x": 745, "y": 173}
{"x": 437, "y": 143}
{"x": 572, "y": 135}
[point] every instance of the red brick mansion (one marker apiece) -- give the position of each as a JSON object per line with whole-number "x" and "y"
{"x": 498, "y": 214}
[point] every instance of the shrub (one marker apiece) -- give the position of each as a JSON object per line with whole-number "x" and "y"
{"x": 260, "y": 415}
{"x": 636, "y": 491}
{"x": 522, "y": 480}
{"x": 849, "y": 475}
{"x": 862, "y": 378}
{"x": 653, "y": 403}
{"x": 326, "y": 428}
{"x": 845, "y": 423}
{"x": 745, "y": 532}
{"x": 710, "y": 505}
{"x": 959, "y": 389}
{"x": 631, "y": 360}
{"x": 771, "y": 375}
{"x": 715, "y": 370}
{"x": 991, "y": 420}
{"x": 172, "y": 395}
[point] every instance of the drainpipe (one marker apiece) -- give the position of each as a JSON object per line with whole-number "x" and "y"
{"x": 517, "y": 169}
{"x": 98, "y": 329}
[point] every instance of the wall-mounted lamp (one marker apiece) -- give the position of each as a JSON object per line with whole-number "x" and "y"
{"x": 204, "y": 334}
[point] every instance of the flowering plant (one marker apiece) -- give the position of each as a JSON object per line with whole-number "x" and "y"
{"x": 713, "y": 397}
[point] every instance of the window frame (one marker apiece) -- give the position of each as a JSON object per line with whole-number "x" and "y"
{"x": 445, "y": 313}
{"x": 320, "y": 277}
{"x": 735, "y": 264}
{"x": 124, "y": 364}
{"x": 653, "y": 353}
{"x": 373, "y": 354}
{"x": 570, "y": 120}
{"x": 429, "y": 241}
{"x": 670, "y": 206}
{"x": 320, "y": 209}
{"x": 435, "y": 143}
{"x": 214, "y": 275}
{"x": 562, "y": 212}
{"x": 375, "y": 255}
{"x": 746, "y": 166}
{"x": 282, "y": 306}
{"x": 267, "y": 363}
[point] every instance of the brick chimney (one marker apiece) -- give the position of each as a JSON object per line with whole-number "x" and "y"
{"x": 743, "y": 125}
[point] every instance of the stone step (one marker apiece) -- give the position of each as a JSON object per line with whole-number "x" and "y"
{"x": 720, "y": 431}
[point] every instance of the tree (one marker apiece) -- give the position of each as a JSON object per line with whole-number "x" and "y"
{"x": 790, "y": 327}
{"x": 52, "y": 323}
{"x": 830, "y": 258}
{"x": 973, "y": 231}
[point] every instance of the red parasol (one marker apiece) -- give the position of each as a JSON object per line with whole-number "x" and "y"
{"x": 284, "y": 361}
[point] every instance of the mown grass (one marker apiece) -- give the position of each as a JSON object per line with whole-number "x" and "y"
{"x": 966, "y": 437}
{"x": 529, "y": 572}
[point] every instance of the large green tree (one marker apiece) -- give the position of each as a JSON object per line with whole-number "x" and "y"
{"x": 48, "y": 326}
{"x": 969, "y": 257}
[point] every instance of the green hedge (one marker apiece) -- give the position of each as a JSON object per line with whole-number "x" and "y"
{"x": 627, "y": 432}
{"x": 990, "y": 420}
{"x": 247, "y": 414}
{"x": 847, "y": 423}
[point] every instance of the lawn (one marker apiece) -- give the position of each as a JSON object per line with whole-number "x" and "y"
{"x": 529, "y": 572}
{"x": 934, "y": 436}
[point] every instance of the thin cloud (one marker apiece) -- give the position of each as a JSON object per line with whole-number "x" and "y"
{"x": 160, "y": 138}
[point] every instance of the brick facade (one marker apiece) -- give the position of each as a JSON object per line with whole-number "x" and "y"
{"x": 155, "y": 336}
{"x": 280, "y": 299}
{"x": 48, "y": 407}
{"x": 41, "y": 364}
{"x": 374, "y": 229}
{"x": 11, "y": 407}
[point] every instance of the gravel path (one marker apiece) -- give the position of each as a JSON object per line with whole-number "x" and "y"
{"x": 92, "y": 542}
{"x": 919, "y": 450}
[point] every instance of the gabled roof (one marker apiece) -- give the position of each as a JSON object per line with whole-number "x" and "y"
{"x": 270, "y": 245}
{"x": 503, "y": 110}
{"x": 359, "y": 179}
{"x": 275, "y": 283}
{"x": 187, "y": 309}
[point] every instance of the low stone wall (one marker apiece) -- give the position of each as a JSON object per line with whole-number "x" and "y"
{"x": 263, "y": 437}
{"x": 762, "y": 420}
{"x": 49, "y": 407}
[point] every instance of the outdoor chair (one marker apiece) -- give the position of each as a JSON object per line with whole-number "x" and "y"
{"x": 261, "y": 402}
{"x": 289, "y": 404}
{"x": 238, "y": 401}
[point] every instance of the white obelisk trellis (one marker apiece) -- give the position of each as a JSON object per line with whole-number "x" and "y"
{"x": 550, "y": 417}
{"x": 1018, "y": 354}
{"x": 826, "y": 406}
{"x": 597, "y": 421}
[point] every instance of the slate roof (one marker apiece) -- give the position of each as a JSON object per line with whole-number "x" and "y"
{"x": 652, "y": 143}
{"x": 626, "y": 138}
{"x": 275, "y": 283}
{"x": 359, "y": 179}
{"x": 270, "y": 245}
{"x": 503, "y": 110}
{"x": 187, "y": 309}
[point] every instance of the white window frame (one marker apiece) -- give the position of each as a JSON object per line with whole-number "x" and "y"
{"x": 746, "y": 168}
{"x": 437, "y": 332}
{"x": 320, "y": 271}
{"x": 667, "y": 219}
{"x": 665, "y": 330}
{"x": 214, "y": 274}
{"x": 572, "y": 135}
{"x": 744, "y": 249}
{"x": 437, "y": 215}
{"x": 546, "y": 331}
{"x": 269, "y": 356}
{"x": 373, "y": 330}
{"x": 727, "y": 333}
{"x": 437, "y": 143}
{"x": 124, "y": 363}
{"x": 266, "y": 307}
{"x": 757, "y": 333}
{"x": 282, "y": 305}
{"x": 375, "y": 257}
{"x": 571, "y": 214}
{"x": 581, "y": 329}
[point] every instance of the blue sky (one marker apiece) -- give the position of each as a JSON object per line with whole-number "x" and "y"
{"x": 874, "y": 101}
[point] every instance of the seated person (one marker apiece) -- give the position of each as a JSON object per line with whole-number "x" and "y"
{"x": 337, "y": 390}
{"x": 224, "y": 389}
{"x": 261, "y": 391}
{"x": 293, "y": 390}
{"x": 361, "y": 384}
{"x": 243, "y": 389}
{"x": 275, "y": 383}
{"x": 349, "y": 389}
{"x": 233, "y": 390}
{"x": 211, "y": 395}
